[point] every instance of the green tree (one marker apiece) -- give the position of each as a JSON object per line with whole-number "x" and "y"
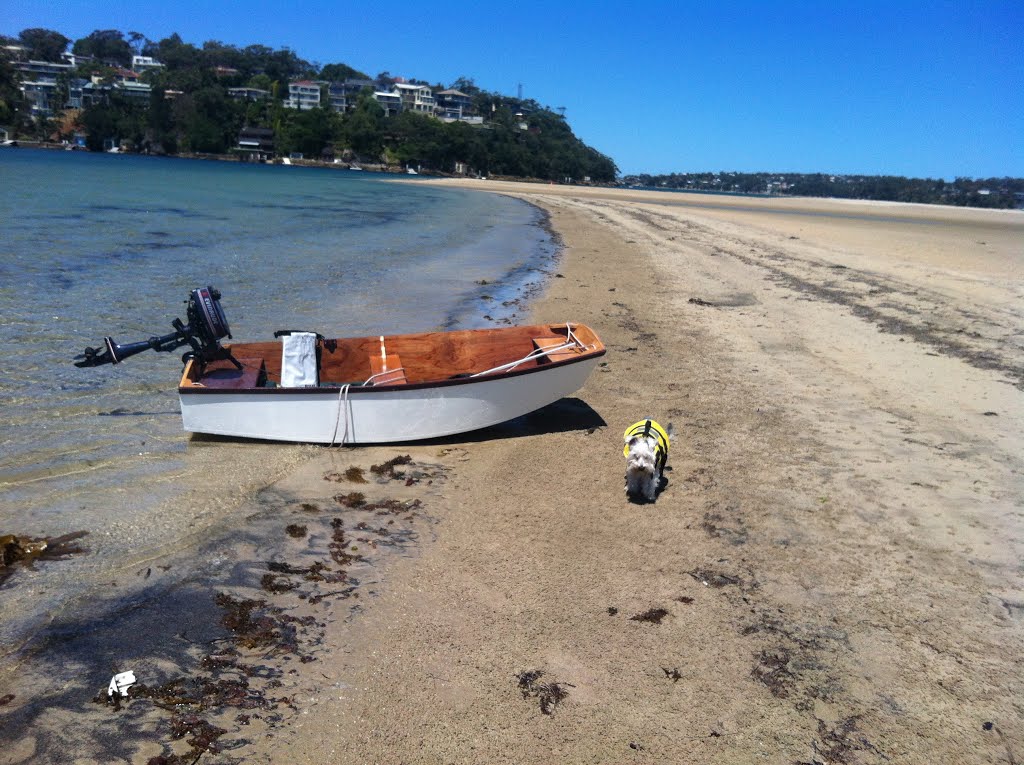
{"x": 260, "y": 81}
{"x": 105, "y": 45}
{"x": 340, "y": 73}
{"x": 13, "y": 108}
{"x": 309, "y": 132}
{"x": 209, "y": 121}
{"x": 43, "y": 44}
{"x": 174, "y": 53}
{"x": 138, "y": 42}
{"x": 363, "y": 129}
{"x": 162, "y": 133}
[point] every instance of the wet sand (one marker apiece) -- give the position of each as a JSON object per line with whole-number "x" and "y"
{"x": 831, "y": 574}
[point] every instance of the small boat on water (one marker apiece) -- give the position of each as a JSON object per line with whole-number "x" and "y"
{"x": 306, "y": 388}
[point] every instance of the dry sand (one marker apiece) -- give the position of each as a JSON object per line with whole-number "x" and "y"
{"x": 837, "y": 551}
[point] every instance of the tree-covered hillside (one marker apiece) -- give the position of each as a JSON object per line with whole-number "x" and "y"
{"x": 190, "y": 106}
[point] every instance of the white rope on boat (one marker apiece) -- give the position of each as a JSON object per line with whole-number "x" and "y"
{"x": 369, "y": 380}
{"x": 342, "y": 404}
{"x": 573, "y": 342}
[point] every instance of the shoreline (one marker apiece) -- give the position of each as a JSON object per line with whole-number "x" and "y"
{"x": 836, "y": 552}
{"x": 510, "y": 183}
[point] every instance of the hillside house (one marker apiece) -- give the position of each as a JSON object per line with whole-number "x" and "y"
{"x": 303, "y": 95}
{"x": 415, "y": 98}
{"x": 453, "y": 104}
{"x": 248, "y": 94}
{"x": 391, "y": 102}
{"x": 142, "y": 63}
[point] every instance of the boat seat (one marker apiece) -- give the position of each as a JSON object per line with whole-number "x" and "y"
{"x": 223, "y": 374}
{"x": 543, "y": 343}
{"x": 393, "y": 374}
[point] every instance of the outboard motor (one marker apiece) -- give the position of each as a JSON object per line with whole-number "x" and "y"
{"x": 206, "y": 326}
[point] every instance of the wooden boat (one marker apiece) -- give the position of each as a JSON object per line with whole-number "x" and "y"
{"x": 365, "y": 389}
{"x": 390, "y": 389}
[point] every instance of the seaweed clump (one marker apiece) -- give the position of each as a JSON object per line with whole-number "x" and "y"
{"x": 355, "y": 475}
{"x": 653, "y": 616}
{"x": 352, "y": 474}
{"x": 338, "y": 544}
{"x": 550, "y": 694}
{"x": 387, "y": 469}
{"x": 26, "y": 550}
{"x": 353, "y": 499}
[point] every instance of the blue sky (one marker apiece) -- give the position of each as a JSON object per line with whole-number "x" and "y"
{"x": 928, "y": 89}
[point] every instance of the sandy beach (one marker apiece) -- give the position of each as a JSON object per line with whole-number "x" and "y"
{"x": 832, "y": 573}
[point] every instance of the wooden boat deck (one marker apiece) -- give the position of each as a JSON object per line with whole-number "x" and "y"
{"x": 413, "y": 359}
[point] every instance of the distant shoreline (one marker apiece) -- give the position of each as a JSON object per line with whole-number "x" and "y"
{"x": 474, "y": 183}
{"x": 815, "y": 206}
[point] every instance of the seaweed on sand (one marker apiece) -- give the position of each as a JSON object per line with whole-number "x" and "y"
{"x": 352, "y": 499}
{"x": 338, "y": 545}
{"x": 352, "y": 474}
{"x": 26, "y": 550}
{"x": 652, "y": 615}
{"x": 550, "y": 694}
{"x": 387, "y": 469}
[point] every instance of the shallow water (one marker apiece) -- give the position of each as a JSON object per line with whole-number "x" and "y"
{"x": 106, "y": 244}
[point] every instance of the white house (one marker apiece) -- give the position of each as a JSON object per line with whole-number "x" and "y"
{"x": 416, "y": 98}
{"x": 303, "y": 94}
{"x": 141, "y": 63}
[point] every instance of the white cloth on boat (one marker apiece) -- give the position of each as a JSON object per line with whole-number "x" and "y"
{"x": 298, "y": 360}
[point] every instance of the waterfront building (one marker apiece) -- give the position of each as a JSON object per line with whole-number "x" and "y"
{"x": 255, "y": 144}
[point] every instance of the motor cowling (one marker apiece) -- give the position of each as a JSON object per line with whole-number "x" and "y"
{"x": 207, "y": 324}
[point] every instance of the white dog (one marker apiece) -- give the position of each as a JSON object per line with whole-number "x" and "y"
{"x": 646, "y": 453}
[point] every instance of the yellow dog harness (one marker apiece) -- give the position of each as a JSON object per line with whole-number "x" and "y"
{"x": 648, "y": 428}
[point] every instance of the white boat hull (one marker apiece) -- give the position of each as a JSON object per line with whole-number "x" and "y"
{"x": 375, "y": 416}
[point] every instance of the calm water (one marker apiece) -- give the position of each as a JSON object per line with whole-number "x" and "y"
{"x": 98, "y": 245}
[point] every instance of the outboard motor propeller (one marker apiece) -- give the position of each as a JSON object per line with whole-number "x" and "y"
{"x": 206, "y": 326}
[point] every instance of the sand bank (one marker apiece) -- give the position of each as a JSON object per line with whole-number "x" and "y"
{"x": 837, "y": 550}
{"x": 832, "y": 573}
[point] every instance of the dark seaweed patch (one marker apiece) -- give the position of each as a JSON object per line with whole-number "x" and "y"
{"x": 550, "y": 695}
{"x": 339, "y": 545}
{"x": 276, "y": 584}
{"x": 773, "y": 669}
{"x": 387, "y": 469}
{"x": 653, "y": 616}
{"x": 352, "y": 474}
{"x": 27, "y": 550}
{"x": 353, "y": 499}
